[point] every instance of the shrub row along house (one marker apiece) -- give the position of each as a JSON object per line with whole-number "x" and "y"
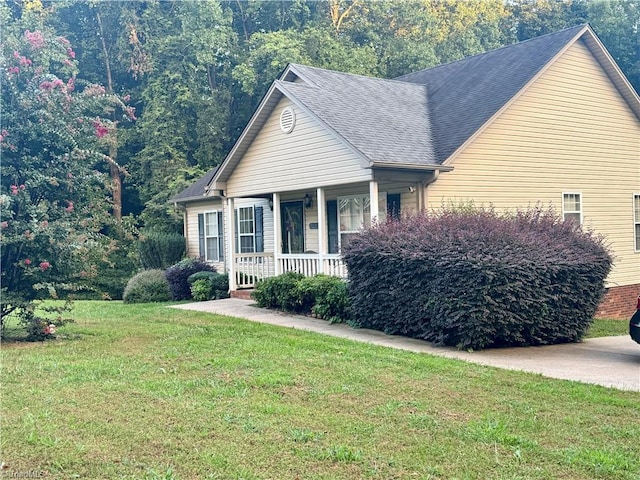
{"x": 550, "y": 120}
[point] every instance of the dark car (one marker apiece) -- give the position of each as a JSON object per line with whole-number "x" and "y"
{"x": 634, "y": 323}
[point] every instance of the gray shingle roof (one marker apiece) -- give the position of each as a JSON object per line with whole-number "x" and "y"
{"x": 464, "y": 95}
{"x": 385, "y": 120}
{"x": 197, "y": 189}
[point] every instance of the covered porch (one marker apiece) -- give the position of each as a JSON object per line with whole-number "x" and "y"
{"x": 310, "y": 227}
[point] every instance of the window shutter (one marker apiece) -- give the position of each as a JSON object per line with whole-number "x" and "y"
{"x": 220, "y": 236}
{"x": 201, "y": 249}
{"x": 258, "y": 217}
{"x": 332, "y": 225}
{"x": 393, "y": 205}
{"x": 235, "y": 219}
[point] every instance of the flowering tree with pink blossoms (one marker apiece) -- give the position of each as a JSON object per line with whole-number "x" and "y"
{"x": 54, "y": 189}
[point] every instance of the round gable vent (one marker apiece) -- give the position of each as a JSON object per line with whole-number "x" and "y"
{"x": 287, "y": 120}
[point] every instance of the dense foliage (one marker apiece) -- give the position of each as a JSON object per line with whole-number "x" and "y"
{"x": 178, "y": 276}
{"x": 54, "y": 190}
{"x": 147, "y": 286}
{"x": 321, "y": 295}
{"x": 161, "y": 249}
{"x": 476, "y": 279}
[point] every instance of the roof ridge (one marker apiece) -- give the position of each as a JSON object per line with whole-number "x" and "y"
{"x": 346, "y": 74}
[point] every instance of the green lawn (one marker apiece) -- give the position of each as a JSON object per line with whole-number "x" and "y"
{"x": 131, "y": 392}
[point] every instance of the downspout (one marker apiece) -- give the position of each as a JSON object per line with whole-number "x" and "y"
{"x": 423, "y": 196}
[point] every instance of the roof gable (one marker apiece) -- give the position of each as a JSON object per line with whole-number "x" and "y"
{"x": 384, "y": 120}
{"x": 465, "y": 94}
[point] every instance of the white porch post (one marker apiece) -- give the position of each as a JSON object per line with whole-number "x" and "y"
{"x": 322, "y": 229}
{"x": 373, "y": 193}
{"x": 231, "y": 238}
{"x": 277, "y": 234}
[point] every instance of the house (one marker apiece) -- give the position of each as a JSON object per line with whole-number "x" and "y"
{"x": 551, "y": 120}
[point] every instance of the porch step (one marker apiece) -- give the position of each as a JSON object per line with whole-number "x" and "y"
{"x": 243, "y": 294}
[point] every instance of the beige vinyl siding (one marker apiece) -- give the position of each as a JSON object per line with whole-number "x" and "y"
{"x": 191, "y": 230}
{"x": 570, "y": 131}
{"x": 308, "y": 157}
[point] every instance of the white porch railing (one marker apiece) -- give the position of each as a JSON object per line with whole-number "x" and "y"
{"x": 312, "y": 264}
{"x": 253, "y": 267}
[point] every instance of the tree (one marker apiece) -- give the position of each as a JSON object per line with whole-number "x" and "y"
{"x": 55, "y": 134}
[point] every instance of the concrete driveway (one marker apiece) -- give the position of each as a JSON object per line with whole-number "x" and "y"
{"x": 609, "y": 361}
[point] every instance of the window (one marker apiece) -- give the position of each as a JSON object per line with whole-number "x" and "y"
{"x": 572, "y": 207}
{"x": 211, "y": 238}
{"x": 636, "y": 219}
{"x": 354, "y": 214}
{"x": 246, "y": 230}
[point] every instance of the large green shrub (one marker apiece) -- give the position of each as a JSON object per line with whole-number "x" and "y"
{"x": 476, "y": 279}
{"x": 177, "y": 275}
{"x": 147, "y": 286}
{"x": 161, "y": 249}
{"x": 320, "y": 295}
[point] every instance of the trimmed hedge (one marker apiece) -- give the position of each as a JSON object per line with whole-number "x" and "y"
{"x": 476, "y": 279}
{"x": 147, "y": 286}
{"x": 160, "y": 249}
{"x": 178, "y": 274}
{"x": 321, "y": 295}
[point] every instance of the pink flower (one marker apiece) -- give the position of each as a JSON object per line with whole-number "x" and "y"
{"x": 44, "y": 265}
{"x": 71, "y": 53}
{"x": 71, "y": 84}
{"x": 45, "y": 223}
{"x": 46, "y": 85}
{"x": 14, "y": 70}
{"x": 27, "y": 261}
{"x": 67, "y": 62}
{"x": 16, "y": 54}
{"x": 14, "y": 189}
{"x": 126, "y": 98}
{"x": 69, "y": 208}
{"x": 101, "y": 130}
{"x": 130, "y": 112}
{"x": 4, "y": 225}
{"x": 22, "y": 187}
{"x": 25, "y": 61}
{"x": 36, "y": 39}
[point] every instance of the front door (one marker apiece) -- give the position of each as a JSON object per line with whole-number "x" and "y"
{"x": 292, "y": 218}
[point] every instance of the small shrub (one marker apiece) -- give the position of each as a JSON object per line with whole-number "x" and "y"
{"x": 219, "y": 283}
{"x": 279, "y": 292}
{"x": 335, "y": 305}
{"x": 147, "y": 286}
{"x": 178, "y": 275}
{"x": 320, "y": 295}
{"x": 161, "y": 249}
{"x": 201, "y": 290}
{"x": 325, "y": 297}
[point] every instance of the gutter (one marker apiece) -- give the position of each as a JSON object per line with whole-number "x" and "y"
{"x": 411, "y": 166}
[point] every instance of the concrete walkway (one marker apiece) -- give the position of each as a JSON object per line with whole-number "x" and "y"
{"x": 608, "y": 361}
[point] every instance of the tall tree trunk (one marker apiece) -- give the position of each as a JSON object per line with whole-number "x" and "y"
{"x": 114, "y": 171}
